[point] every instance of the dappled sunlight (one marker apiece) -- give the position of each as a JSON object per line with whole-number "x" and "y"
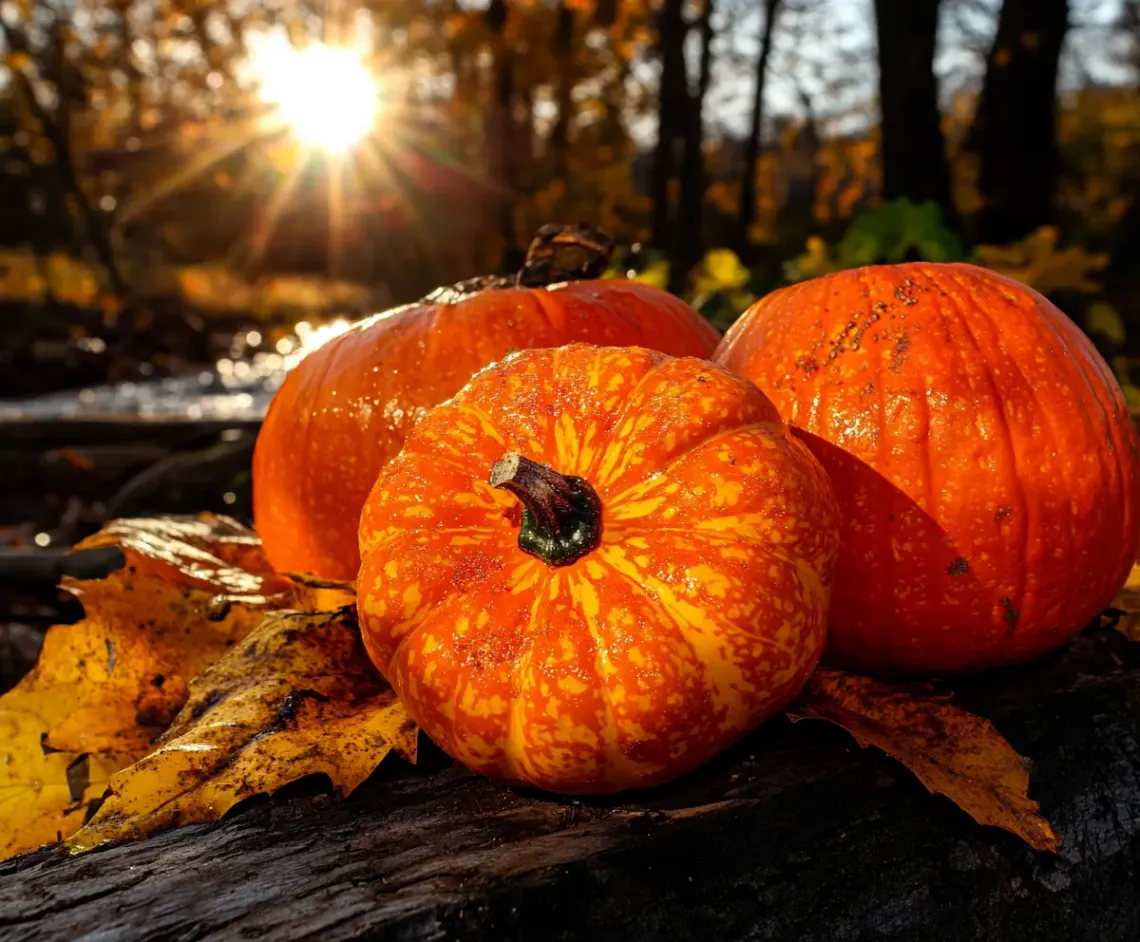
{"x": 239, "y": 387}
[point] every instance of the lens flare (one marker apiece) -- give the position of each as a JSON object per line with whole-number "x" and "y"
{"x": 325, "y": 94}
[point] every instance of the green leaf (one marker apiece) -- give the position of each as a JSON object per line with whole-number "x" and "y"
{"x": 895, "y": 230}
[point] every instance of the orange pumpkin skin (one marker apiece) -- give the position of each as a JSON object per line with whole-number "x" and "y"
{"x": 346, "y": 408}
{"x": 980, "y": 449}
{"x": 700, "y": 613}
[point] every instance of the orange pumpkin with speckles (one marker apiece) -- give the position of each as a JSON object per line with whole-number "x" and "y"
{"x": 595, "y": 567}
{"x": 346, "y": 408}
{"x": 980, "y": 449}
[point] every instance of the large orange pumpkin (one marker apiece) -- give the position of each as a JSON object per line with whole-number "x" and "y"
{"x": 346, "y": 408}
{"x": 980, "y": 449}
{"x": 595, "y": 567}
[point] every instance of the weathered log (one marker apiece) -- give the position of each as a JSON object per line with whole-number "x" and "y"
{"x": 794, "y": 834}
{"x": 41, "y": 570}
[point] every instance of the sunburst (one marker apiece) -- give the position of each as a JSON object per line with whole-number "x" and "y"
{"x": 325, "y": 95}
{"x": 334, "y": 108}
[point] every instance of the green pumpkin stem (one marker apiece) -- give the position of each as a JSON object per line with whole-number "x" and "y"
{"x": 562, "y": 516}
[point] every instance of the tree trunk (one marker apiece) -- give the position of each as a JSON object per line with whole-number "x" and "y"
{"x": 1014, "y": 132}
{"x": 671, "y": 101}
{"x": 752, "y": 146}
{"x": 564, "y": 57}
{"x": 501, "y": 133}
{"x": 796, "y": 833}
{"x": 913, "y": 149}
{"x": 689, "y": 241}
{"x": 56, "y": 128}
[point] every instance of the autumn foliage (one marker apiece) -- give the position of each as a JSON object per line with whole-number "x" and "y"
{"x": 282, "y": 690}
{"x": 107, "y": 688}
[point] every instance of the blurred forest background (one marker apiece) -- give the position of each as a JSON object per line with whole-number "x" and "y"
{"x": 195, "y": 193}
{"x": 149, "y": 191}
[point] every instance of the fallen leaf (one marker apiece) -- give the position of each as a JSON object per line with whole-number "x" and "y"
{"x": 1126, "y": 606}
{"x": 104, "y": 688}
{"x": 298, "y": 696}
{"x": 44, "y": 795}
{"x": 207, "y": 551}
{"x": 951, "y": 751}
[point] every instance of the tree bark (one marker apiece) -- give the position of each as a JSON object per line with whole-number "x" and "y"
{"x": 564, "y": 57}
{"x": 913, "y": 148}
{"x": 671, "y": 104}
{"x": 755, "y": 128}
{"x": 1015, "y": 129}
{"x": 56, "y": 128}
{"x": 693, "y": 177}
{"x": 502, "y": 132}
{"x": 796, "y": 833}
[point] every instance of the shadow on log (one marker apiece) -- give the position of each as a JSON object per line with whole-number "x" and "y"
{"x": 795, "y": 834}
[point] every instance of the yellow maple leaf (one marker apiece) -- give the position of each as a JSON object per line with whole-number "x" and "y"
{"x": 298, "y": 696}
{"x": 1038, "y": 262}
{"x": 44, "y": 795}
{"x": 104, "y": 688}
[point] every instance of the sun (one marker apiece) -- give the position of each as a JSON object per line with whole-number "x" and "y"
{"x": 324, "y": 94}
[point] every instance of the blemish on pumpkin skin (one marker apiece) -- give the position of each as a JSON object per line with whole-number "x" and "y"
{"x": 1002, "y": 513}
{"x": 959, "y": 567}
{"x": 1011, "y": 614}
{"x": 901, "y": 293}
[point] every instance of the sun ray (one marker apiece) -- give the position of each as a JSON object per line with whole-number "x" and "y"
{"x": 195, "y": 168}
{"x": 262, "y": 230}
{"x": 336, "y": 216}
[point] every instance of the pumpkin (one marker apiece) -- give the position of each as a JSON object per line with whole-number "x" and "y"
{"x": 596, "y": 567}
{"x": 346, "y": 408}
{"x": 980, "y": 449}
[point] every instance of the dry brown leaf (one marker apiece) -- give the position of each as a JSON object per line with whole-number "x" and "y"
{"x": 298, "y": 696}
{"x": 951, "y": 751}
{"x": 1127, "y": 603}
{"x": 105, "y": 687}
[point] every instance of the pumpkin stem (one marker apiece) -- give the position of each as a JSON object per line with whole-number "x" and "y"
{"x": 565, "y": 253}
{"x": 555, "y": 254}
{"x": 562, "y": 516}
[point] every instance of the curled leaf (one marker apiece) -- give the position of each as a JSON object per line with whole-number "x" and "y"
{"x": 951, "y": 751}
{"x": 107, "y": 686}
{"x": 298, "y": 696}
